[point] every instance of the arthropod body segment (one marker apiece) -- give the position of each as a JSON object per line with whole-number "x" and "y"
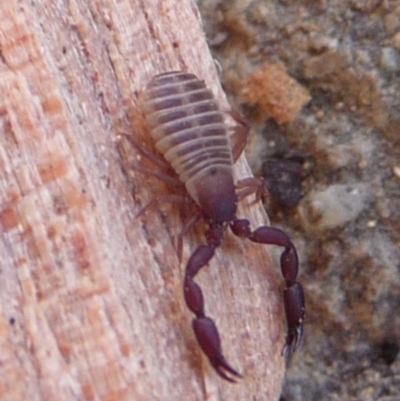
{"x": 190, "y": 132}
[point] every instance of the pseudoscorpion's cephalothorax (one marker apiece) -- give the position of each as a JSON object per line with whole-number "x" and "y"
{"x": 190, "y": 131}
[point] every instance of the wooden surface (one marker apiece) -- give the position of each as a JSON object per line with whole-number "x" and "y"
{"x": 91, "y": 303}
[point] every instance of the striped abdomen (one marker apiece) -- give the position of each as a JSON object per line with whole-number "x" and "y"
{"x": 189, "y": 130}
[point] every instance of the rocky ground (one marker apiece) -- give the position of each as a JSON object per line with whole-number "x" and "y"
{"x": 319, "y": 82}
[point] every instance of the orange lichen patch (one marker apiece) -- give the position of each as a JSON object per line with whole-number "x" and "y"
{"x": 115, "y": 315}
{"x": 74, "y": 197}
{"x": 80, "y": 249}
{"x": 117, "y": 394}
{"x": 13, "y": 381}
{"x": 274, "y": 92}
{"x": 67, "y": 196}
{"x": 109, "y": 375}
{"x": 19, "y": 44}
{"x": 53, "y": 166}
{"x": 48, "y": 281}
{"x": 16, "y": 52}
{"x": 32, "y": 245}
{"x": 26, "y": 181}
{"x": 8, "y": 218}
{"x": 27, "y": 122}
{"x": 21, "y": 261}
{"x": 27, "y": 286}
{"x": 53, "y": 231}
{"x": 86, "y": 290}
{"x": 124, "y": 346}
{"x": 52, "y": 105}
{"x": 39, "y": 246}
{"x": 87, "y": 390}
{"x": 65, "y": 349}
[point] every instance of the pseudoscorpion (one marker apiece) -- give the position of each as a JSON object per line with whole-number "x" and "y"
{"x": 190, "y": 132}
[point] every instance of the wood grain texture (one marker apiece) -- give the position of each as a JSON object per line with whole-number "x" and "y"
{"x": 91, "y": 304}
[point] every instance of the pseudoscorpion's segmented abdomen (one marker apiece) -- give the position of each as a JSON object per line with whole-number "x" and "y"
{"x": 187, "y": 126}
